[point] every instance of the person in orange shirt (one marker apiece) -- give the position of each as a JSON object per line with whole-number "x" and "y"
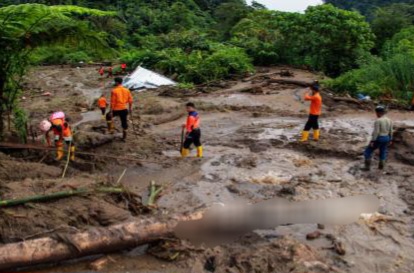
{"x": 193, "y": 132}
{"x": 121, "y": 101}
{"x": 314, "y": 113}
{"x": 102, "y": 104}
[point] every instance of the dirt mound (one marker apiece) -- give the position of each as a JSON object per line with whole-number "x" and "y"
{"x": 279, "y": 255}
{"x": 11, "y": 170}
{"x": 61, "y": 215}
{"x": 404, "y": 145}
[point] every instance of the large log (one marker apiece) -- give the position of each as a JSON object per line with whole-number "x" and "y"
{"x": 94, "y": 241}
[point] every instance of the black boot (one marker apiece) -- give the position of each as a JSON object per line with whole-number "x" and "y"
{"x": 124, "y": 135}
{"x": 381, "y": 165}
{"x": 367, "y": 165}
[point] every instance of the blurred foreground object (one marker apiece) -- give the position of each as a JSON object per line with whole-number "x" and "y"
{"x": 225, "y": 223}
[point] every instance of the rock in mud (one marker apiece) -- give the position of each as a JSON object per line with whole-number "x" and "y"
{"x": 313, "y": 235}
{"x": 279, "y": 256}
{"x": 92, "y": 139}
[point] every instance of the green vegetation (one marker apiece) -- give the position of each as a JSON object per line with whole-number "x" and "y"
{"x": 197, "y": 41}
{"x": 27, "y": 27}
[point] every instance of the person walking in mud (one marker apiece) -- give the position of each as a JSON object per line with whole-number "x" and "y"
{"x": 315, "y": 111}
{"x": 193, "y": 132}
{"x": 381, "y": 138}
{"x": 121, "y": 102}
{"x": 102, "y": 104}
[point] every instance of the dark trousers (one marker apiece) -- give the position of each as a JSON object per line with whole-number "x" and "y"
{"x": 193, "y": 137}
{"x": 103, "y": 110}
{"x": 312, "y": 123}
{"x": 123, "y": 115}
{"x": 382, "y": 144}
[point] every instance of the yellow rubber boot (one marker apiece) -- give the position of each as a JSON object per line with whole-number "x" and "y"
{"x": 316, "y": 134}
{"x": 305, "y": 136}
{"x": 111, "y": 127}
{"x": 185, "y": 152}
{"x": 59, "y": 153}
{"x": 200, "y": 151}
{"x": 72, "y": 153}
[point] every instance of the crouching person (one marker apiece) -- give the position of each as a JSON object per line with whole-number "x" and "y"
{"x": 62, "y": 132}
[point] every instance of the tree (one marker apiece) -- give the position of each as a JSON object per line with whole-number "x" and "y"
{"x": 389, "y": 20}
{"x": 334, "y": 39}
{"x": 365, "y": 7}
{"x": 24, "y": 28}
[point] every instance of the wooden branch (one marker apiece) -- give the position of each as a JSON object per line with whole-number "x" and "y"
{"x": 94, "y": 241}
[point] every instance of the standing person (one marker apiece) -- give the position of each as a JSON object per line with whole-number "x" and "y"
{"x": 101, "y": 71}
{"x": 102, "y": 104}
{"x": 121, "y": 98}
{"x": 123, "y": 67}
{"x": 381, "y": 138}
{"x": 62, "y": 134}
{"x": 412, "y": 104}
{"x": 110, "y": 72}
{"x": 193, "y": 132}
{"x": 315, "y": 111}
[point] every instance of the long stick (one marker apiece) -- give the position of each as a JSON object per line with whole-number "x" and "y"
{"x": 182, "y": 139}
{"x": 67, "y": 161}
{"x": 56, "y": 195}
{"x": 122, "y": 176}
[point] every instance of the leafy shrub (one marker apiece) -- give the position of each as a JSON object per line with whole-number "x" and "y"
{"x": 196, "y": 66}
{"x": 382, "y": 78}
{"x": 61, "y": 55}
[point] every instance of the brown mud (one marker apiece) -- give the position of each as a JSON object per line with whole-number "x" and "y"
{"x": 252, "y": 154}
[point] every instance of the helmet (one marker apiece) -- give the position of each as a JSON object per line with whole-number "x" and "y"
{"x": 57, "y": 115}
{"x": 45, "y": 125}
{"x": 380, "y": 109}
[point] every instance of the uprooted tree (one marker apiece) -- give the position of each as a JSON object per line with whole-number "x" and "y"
{"x": 29, "y": 26}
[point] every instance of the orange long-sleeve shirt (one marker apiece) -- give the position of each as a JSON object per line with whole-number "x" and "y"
{"x": 316, "y": 104}
{"x": 102, "y": 103}
{"x": 120, "y": 97}
{"x": 193, "y": 121}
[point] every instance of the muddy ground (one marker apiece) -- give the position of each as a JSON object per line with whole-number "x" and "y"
{"x": 250, "y": 131}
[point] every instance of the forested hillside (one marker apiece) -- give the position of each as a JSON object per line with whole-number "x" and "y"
{"x": 366, "y": 7}
{"x": 197, "y": 41}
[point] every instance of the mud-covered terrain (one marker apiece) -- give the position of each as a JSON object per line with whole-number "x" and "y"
{"x": 250, "y": 131}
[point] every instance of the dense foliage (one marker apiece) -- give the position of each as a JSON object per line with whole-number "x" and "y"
{"x": 196, "y": 41}
{"x": 365, "y": 7}
{"x": 27, "y": 27}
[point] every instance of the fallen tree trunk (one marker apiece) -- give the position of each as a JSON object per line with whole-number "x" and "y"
{"x": 94, "y": 241}
{"x": 288, "y": 81}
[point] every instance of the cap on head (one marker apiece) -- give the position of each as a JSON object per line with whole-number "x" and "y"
{"x": 45, "y": 125}
{"x": 118, "y": 80}
{"x": 190, "y": 104}
{"x": 380, "y": 109}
